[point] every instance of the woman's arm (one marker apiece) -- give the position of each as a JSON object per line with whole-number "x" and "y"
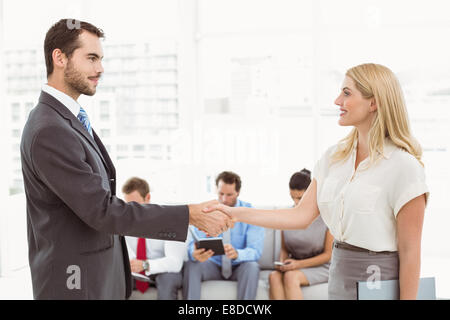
{"x": 299, "y": 217}
{"x": 409, "y": 235}
{"x": 315, "y": 261}
{"x": 283, "y": 252}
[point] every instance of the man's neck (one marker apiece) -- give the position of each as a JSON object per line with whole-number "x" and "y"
{"x": 61, "y": 86}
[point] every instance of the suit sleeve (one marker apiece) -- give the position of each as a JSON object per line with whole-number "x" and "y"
{"x": 59, "y": 161}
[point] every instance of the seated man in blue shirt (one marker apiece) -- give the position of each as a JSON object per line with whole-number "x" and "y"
{"x": 243, "y": 246}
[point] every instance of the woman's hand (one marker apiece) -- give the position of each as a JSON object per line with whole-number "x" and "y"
{"x": 220, "y": 207}
{"x": 290, "y": 264}
{"x": 213, "y": 223}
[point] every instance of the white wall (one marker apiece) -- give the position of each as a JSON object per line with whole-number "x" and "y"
{"x": 13, "y": 234}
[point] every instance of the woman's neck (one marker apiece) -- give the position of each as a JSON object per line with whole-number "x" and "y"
{"x": 362, "y": 149}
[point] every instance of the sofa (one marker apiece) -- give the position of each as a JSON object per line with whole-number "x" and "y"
{"x": 227, "y": 290}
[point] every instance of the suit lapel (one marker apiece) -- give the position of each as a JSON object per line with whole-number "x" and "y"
{"x": 109, "y": 164}
{"x": 50, "y": 101}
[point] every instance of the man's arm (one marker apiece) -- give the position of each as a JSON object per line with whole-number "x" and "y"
{"x": 131, "y": 248}
{"x": 190, "y": 249}
{"x": 255, "y": 243}
{"x": 172, "y": 260}
{"x": 195, "y": 254}
{"x": 60, "y": 162}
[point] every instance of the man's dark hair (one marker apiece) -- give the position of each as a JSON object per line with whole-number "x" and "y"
{"x": 64, "y": 35}
{"x": 136, "y": 184}
{"x": 300, "y": 180}
{"x": 229, "y": 178}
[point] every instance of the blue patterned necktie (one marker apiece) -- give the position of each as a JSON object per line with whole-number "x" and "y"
{"x": 83, "y": 117}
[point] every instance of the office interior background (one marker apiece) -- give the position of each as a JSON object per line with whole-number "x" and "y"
{"x": 195, "y": 87}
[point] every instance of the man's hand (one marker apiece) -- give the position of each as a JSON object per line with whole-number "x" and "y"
{"x": 216, "y": 206}
{"x": 201, "y": 255}
{"x": 137, "y": 266}
{"x": 212, "y": 223}
{"x": 230, "y": 252}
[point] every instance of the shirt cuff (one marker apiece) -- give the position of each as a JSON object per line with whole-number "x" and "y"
{"x": 147, "y": 272}
{"x": 242, "y": 256}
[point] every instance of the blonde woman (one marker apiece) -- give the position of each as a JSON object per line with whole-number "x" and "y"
{"x": 369, "y": 189}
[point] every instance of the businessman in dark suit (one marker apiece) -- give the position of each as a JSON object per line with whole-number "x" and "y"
{"x": 75, "y": 221}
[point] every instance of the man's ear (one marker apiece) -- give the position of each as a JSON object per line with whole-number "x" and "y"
{"x": 147, "y": 198}
{"x": 59, "y": 59}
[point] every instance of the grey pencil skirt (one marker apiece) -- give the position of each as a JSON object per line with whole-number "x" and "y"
{"x": 350, "y": 264}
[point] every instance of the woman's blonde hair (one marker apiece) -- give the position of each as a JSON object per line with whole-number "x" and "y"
{"x": 391, "y": 118}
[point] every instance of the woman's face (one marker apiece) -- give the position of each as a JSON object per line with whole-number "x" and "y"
{"x": 355, "y": 110}
{"x": 296, "y": 195}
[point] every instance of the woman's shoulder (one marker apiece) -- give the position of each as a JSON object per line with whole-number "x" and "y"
{"x": 332, "y": 149}
{"x": 328, "y": 153}
{"x": 405, "y": 164}
{"x": 323, "y": 164}
{"x": 403, "y": 159}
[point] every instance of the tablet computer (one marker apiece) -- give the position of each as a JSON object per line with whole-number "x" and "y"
{"x": 141, "y": 277}
{"x": 215, "y": 244}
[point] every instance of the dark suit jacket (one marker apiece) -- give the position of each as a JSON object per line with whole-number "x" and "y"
{"x": 75, "y": 222}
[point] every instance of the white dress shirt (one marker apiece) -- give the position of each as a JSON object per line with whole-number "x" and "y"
{"x": 65, "y": 99}
{"x": 162, "y": 256}
{"x": 360, "y": 207}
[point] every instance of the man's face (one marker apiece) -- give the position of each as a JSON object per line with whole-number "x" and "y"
{"x": 136, "y": 197}
{"x": 227, "y": 193}
{"x": 84, "y": 67}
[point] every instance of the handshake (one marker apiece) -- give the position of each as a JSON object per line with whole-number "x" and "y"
{"x": 211, "y": 217}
